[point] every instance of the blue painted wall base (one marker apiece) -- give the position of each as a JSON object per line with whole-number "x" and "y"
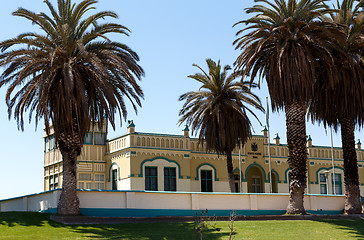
{"x": 115, "y": 212}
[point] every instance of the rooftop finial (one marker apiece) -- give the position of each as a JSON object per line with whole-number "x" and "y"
{"x": 358, "y": 144}
{"x": 186, "y": 131}
{"x": 131, "y": 123}
{"x": 276, "y": 136}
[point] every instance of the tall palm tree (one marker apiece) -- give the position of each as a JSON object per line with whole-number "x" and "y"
{"x": 285, "y": 44}
{"x": 71, "y": 74}
{"x": 219, "y": 112}
{"x": 342, "y": 104}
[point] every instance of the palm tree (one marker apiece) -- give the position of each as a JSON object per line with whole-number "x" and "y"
{"x": 71, "y": 75}
{"x": 219, "y": 112}
{"x": 285, "y": 45}
{"x": 342, "y": 104}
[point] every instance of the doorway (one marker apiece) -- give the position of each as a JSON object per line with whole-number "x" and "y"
{"x": 114, "y": 179}
{"x": 255, "y": 180}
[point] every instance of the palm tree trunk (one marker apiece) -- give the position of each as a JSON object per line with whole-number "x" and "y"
{"x": 70, "y": 147}
{"x": 229, "y": 164}
{"x": 297, "y": 159}
{"x": 351, "y": 176}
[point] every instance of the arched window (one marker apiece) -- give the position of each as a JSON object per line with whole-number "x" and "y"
{"x": 114, "y": 175}
{"x": 153, "y": 142}
{"x": 160, "y": 174}
{"x": 272, "y": 151}
{"x": 206, "y": 173}
{"x": 162, "y": 143}
{"x": 138, "y": 141}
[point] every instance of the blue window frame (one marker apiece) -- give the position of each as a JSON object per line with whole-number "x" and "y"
{"x": 206, "y": 180}
{"x": 338, "y": 184}
{"x": 99, "y": 138}
{"x": 323, "y": 184}
{"x": 151, "y": 178}
{"x": 88, "y": 138}
{"x": 170, "y": 183}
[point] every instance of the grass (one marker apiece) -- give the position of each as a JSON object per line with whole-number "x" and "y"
{"x": 38, "y": 226}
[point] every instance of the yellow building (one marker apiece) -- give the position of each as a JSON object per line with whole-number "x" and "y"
{"x": 165, "y": 162}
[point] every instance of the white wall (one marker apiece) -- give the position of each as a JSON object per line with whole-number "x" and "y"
{"x": 31, "y": 203}
{"x": 176, "y": 200}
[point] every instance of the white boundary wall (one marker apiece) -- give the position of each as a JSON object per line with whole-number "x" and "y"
{"x": 167, "y": 200}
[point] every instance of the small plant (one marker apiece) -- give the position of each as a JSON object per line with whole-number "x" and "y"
{"x": 204, "y": 222}
{"x": 232, "y": 219}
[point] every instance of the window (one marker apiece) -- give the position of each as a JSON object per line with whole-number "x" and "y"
{"x": 170, "y": 179}
{"x": 81, "y": 185}
{"x": 206, "y": 180}
{"x": 85, "y": 176}
{"x": 100, "y": 138}
{"x": 88, "y": 185}
{"x": 49, "y": 143}
{"x": 88, "y": 138}
{"x": 338, "y": 184}
{"x": 99, "y": 181}
{"x": 99, "y": 185}
{"x": 51, "y": 182}
{"x": 323, "y": 183}
{"x": 256, "y": 184}
{"x": 99, "y": 177}
{"x": 151, "y": 179}
{"x": 55, "y": 181}
{"x": 46, "y": 140}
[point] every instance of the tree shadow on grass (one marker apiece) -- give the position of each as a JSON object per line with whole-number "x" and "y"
{"x": 13, "y": 219}
{"x": 354, "y": 227}
{"x": 152, "y": 231}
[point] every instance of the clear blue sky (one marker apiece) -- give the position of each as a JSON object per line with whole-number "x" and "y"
{"x": 169, "y": 37}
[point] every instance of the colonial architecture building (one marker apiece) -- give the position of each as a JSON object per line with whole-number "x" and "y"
{"x": 165, "y": 162}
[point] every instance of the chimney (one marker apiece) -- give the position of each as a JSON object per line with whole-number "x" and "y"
{"x": 276, "y": 138}
{"x": 131, "y": 127}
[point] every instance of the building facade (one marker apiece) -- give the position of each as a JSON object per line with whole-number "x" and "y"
{"x": 165, "y": 162}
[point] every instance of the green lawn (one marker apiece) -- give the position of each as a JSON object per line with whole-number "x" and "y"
{"x": 38, "y": 226}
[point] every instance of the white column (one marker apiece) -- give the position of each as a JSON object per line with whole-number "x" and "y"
{"x": 253, "y": 202}
{"x": 195, "y": 205}
{"x": 130, "y": 200}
